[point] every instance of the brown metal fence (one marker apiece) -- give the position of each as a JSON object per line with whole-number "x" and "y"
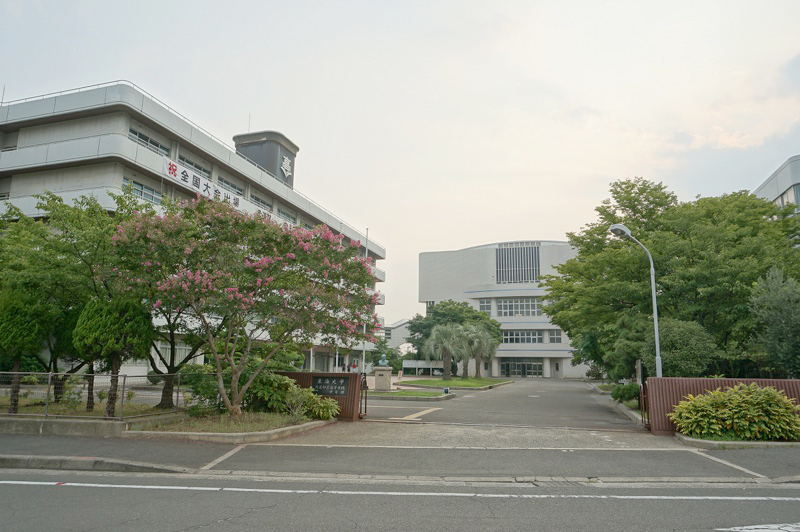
{"x": 662, "y": 394}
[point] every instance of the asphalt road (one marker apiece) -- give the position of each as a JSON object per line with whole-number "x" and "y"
{"x": 535, "y": 455}
{"x": 526, "y": 402}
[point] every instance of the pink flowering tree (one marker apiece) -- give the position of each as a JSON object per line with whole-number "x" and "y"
{"x": 242, "y": 283}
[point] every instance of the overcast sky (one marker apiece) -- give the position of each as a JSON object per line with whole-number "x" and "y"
{"x": 442, "y": 125}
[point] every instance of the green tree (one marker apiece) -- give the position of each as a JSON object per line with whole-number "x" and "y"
{"x": 707, "y": 255}
{"x": 481, "y": 345}
{"x": 775, "y": 302}
{"x": 448, "y": 311}
{"x": 446, "y": 342}
{"x": 22, "y": 332}
{"x": 686, "y": 349}
{"x": 244, "y": 281}
{"x": 113, "y": 331}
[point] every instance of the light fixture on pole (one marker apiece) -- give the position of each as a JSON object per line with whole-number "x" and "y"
{"x": 622, "y": 231}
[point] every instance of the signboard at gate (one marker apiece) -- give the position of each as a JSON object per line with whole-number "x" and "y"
{"x": 333, "y": 386}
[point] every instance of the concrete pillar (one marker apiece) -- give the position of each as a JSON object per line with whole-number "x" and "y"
{"x": 495, "y": 371}
{"x": 546, "y": 367}
{"x": 311, "y": 359}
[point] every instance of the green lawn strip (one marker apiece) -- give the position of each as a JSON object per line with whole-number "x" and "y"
{"x": 223, "y": 423}
{"x": 605, "y": 387}
{"x": 456, "y": 382}
{"x": 404, "y": 393}
{"x": 37, "y": 407}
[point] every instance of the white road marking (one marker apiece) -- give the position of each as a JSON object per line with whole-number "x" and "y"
{"x": 416, "y": 416}
{"x": 533, "y": 396}
{"x": 788, "y": 527}
{"x": 729, "y": 464}
{"x": 404, "y": 493}
{"x": 223, "y": 457}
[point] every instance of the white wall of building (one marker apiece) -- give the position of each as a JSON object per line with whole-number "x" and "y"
{"x": 532, "y": 344}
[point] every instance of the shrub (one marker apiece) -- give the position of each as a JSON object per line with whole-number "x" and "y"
{"x": 270, "y": 392}
{"x": 625, "y": 392}
{"x": 744, "y": 412}
{"x": 323, "y": 407}
{"x": 154, "y": 378}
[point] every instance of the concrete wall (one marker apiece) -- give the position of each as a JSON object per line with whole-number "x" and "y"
{"x": 73, "y": 129}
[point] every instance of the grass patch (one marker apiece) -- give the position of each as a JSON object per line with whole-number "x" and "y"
{"x": 404, "y": 393}
{"x": 247, "y": 422}
{"x": 633, "y": 404}
{"x": 32, "y": 406}
{"x": 605, "y": 387}
{"x": 455, "y": 382}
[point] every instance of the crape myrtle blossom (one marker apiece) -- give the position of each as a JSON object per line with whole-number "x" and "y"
{"x": 246, "y": 280}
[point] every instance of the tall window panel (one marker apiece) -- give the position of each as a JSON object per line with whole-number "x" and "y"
{"x": 517, "y": 262}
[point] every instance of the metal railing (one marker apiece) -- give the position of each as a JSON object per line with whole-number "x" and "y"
{"x": 179, "y": 115}
{"x": 82, "y": 395}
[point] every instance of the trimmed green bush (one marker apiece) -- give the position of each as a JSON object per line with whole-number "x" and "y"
{"x": 625, "y": 392}
{"x": 743, "y": 412}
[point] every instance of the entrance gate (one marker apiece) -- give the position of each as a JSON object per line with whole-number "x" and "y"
{"x": 523, "y": 368}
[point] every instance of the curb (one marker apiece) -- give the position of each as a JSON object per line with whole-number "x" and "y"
{"x": 78, "y": 463}
{"x": 458, "y": 388}
{"x": 234, "y": 438}
{"x": 627, "y": 411}
{"x": 443, "y": 397}
{"x": 722, "y": 445}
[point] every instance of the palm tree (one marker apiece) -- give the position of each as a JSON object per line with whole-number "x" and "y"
{"x": 446, "y": 340}
{"x": 480, "y": 345}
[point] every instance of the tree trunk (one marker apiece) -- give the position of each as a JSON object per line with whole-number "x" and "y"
{"x": 58, "y": 387}
{"x": 446, "y": 369}
{"x": 111, "y": 404}
{"x": 478, "y": 364}
{"x": 13, "y": 406}
{"x": 166, "y": 391}
{"x": 90, "y": 388}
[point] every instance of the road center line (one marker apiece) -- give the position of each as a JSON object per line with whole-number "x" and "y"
{"x": 405, "y": 493}
{"x": 223, "y": 457}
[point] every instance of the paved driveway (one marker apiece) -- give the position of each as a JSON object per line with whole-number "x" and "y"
{"x": 525, "y": 403}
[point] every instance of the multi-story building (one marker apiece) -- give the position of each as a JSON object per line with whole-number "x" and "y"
{"x": 503, "y": 281}
{"x": 783, "y": 186}
{"x": 95, "y": 140}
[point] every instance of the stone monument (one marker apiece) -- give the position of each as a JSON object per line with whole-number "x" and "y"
{"x": 383, "y": 375}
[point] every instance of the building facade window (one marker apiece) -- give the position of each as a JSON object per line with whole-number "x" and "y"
{"x": 429, "y": 307}
{"x": 147, "y": 142}
{"x": 195, "y": 166}
{"x": 143, "y": 191}
{"x": 555, "y": 336}
{"x": 522, "y": 337}
{"x": 286, "y": 215}
{"x": 230, "y": 186}
{"x": 519, "y": 306}
{"x": 261, "y": 203}
{"x": 485, "y": 305}
{"x": 517, "y": 262}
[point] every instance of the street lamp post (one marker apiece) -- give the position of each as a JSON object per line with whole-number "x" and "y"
{"x": 622, "y": 231}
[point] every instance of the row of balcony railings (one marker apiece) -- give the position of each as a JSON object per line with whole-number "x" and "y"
{"x": 179, "y": 115}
